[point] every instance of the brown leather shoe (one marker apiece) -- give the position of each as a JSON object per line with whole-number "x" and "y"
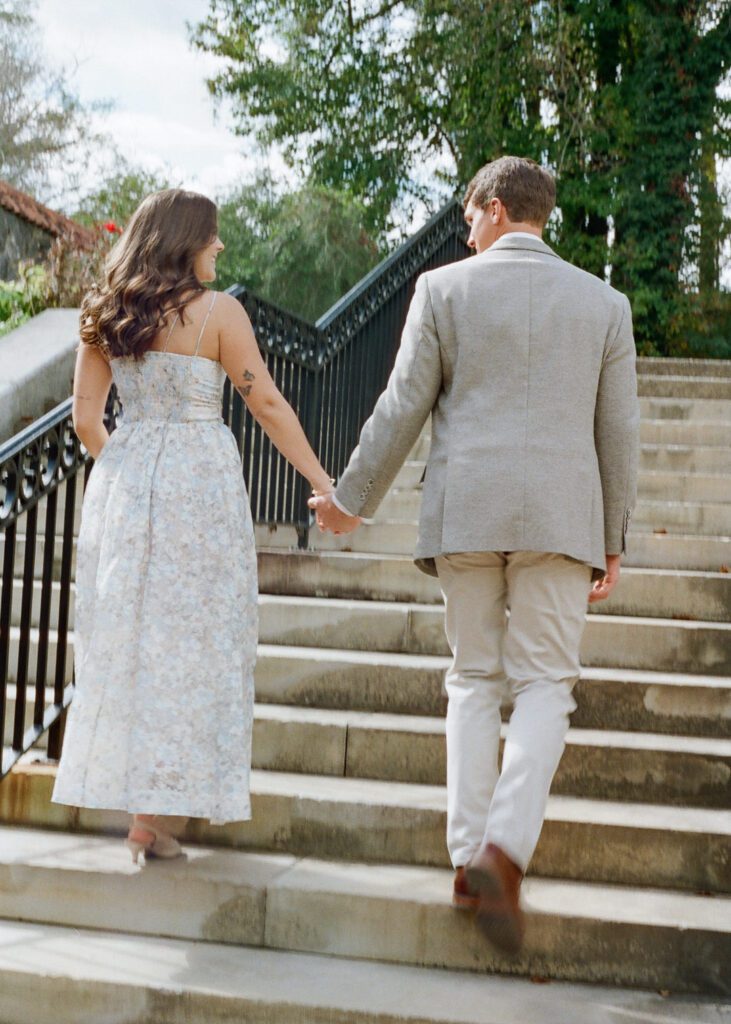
{"x": 497, "y": 880}
{"x": 462, "y": 896}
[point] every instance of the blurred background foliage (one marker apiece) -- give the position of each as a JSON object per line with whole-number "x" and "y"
{"x": 626, "y": 100}
{"x": 383, "y": 109}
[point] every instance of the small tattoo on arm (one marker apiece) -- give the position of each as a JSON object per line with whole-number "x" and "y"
{"x": 246, "y": 390}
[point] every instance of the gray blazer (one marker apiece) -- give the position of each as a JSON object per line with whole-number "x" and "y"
{"x": 527, "y": 366}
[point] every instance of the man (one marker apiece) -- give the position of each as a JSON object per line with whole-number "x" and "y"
{"x": 527, "y": 367}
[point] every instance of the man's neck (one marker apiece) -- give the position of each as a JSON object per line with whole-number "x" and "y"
{"x": 520, "y": 228}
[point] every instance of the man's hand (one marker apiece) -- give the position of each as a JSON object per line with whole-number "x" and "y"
{"x": 603, "y": 587}
{"x": 329, "y": 517}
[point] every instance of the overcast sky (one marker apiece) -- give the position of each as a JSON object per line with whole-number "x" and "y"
{"x": 136, "y": 54}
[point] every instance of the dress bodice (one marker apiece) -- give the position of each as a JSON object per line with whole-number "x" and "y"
{"x": 169, "y": 387}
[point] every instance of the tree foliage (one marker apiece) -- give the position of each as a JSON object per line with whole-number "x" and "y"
{"x": 43, "y": 124}
{"x": 398, "y": 100}
{"x": 302, "y": 250}
{"x": 119, "y": 195}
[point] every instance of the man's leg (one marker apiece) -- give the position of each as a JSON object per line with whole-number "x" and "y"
{"x": 547, "y": 596}
{"x": 474, "y": 591}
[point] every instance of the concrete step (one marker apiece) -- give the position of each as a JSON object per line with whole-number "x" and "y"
{"x": 666, "y": 458}
{"x": 609, "y": 640}
{"x": 661, "y": 431}
{"x": 656, "y": 593}
{"x": 411, "y": 683}
{"x": 665, "y": 482}
{"x": 648, "y": 516}
{"x": 685, "y": 432}
{"x": 55, "y": 975}
{"x": 623, "y": 700}
{"x": 680, "y": 458}
{"x": 16, "y": 609}
{"x": 678, "y": 551}
{"x": 688, "y": 518}
{"x": 386, "y": 912}
{"x": 397, "y": 537}
{"x": 665, "y": 385}
{"x": 689, "y": 409}
{"x": 696, "y": 487}
{"x": 600, "y": 764}
{"x": 33, "y": 656}
{"x": 654, "y": 365}
{"x": 680, "y": 848}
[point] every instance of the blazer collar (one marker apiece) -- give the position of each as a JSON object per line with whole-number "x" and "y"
{"x": 515, "y": 240}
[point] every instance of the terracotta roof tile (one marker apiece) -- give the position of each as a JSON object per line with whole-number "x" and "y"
{"x": 56, "y": 224}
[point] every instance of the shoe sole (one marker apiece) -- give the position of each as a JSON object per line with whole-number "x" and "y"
{"x": 464, "y": 902}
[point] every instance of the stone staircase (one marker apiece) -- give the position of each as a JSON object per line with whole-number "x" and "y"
{"x": 333, "y": 904}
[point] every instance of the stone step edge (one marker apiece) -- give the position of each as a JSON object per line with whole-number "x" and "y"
{"x": 440, "y": 662}
{"x": 378, "y": 912}
{"x": 404, "y": 559}
{"x": 634, "y": 534}
{"x": 407, "y": 560}
{"x": 422, "y": 797}
{"x": 374, "y": 606}
{"x": 102, "y": 966}
{"x": 583, "y": 900}
{"x": 431, "y": 609}
{"x": 420, "y": 725}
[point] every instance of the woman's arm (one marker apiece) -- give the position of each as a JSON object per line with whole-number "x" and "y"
{"x": 92, "y": 381}
{"x": 242, "y": 361}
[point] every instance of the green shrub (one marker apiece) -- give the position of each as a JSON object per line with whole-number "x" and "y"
{"x": 24, "y": 297}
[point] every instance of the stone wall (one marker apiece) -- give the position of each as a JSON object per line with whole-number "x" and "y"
{"x": 36, "y": 368}
{"x": 20, "y": 240}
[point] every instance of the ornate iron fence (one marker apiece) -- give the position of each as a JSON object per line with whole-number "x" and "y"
{"x": 331, "y": 372}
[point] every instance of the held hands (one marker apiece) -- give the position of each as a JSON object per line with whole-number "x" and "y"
{"x": 329, "y": 517}
{"x": 603, "y": 587}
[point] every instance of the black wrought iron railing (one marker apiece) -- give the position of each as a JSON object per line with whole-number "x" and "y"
{"x": 331, "y": 372}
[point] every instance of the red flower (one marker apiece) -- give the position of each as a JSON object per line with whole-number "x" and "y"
{"x": 112, "y": 228}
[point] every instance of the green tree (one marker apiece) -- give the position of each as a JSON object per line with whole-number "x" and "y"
{"x": 302, "y": 250}
{"x": 119, "y": 195}
{"x": 361, "y": 96}
{"x": 386, "y": 99}
{"x": 43, "y": 124}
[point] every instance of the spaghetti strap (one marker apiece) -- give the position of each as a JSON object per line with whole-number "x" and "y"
{"x": 172, "y": 325}
{"x": 205, "y": 321}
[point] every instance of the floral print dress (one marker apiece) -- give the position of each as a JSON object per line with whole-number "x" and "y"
{"x": 166, "y": 606}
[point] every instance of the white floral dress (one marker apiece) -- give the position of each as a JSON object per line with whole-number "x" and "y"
{"x": 166, "y": 606}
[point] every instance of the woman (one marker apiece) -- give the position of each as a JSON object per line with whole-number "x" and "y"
{"x": 166, "y": 591}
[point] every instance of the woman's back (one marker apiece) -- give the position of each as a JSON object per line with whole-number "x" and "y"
{"x": 166, "y": 613}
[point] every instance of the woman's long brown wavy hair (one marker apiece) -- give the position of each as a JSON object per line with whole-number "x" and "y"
{"x": 149, "y": 272}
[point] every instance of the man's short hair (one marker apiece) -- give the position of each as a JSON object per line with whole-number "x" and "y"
{"x": 526, "y": 190}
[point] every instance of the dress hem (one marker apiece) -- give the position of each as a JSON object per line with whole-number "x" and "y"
{"x": 176, "y": 812}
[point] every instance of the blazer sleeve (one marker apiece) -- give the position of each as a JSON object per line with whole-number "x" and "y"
{"x": 400, "y": 413}
{"x": 617, "y": 432}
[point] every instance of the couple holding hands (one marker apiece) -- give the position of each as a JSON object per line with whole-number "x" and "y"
{"x": 525, "y": 364}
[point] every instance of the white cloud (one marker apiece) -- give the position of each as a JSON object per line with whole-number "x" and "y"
{"x": 137, "y": 54}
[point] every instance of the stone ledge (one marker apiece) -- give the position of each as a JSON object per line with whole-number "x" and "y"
{"x": 55, "y": 975}
{"x": 36, "y": 368}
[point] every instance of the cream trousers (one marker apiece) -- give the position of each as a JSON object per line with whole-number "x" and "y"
{"x": 532, "y": 656}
